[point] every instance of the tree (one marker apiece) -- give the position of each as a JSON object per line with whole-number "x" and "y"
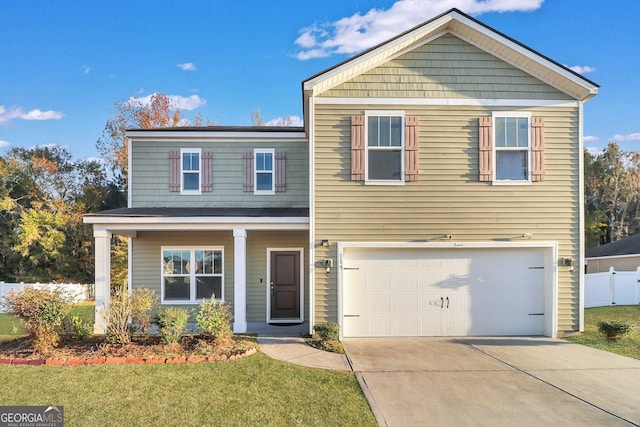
{"x": 612, "y": 198}
{"x": 132, "y": 114}
{"x": 43, "y": 195}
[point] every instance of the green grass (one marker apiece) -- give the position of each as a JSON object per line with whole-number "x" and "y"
{"x": 628, "y": 345}
{"x": 255, "y": 390}
{"x": 11, "y": 326}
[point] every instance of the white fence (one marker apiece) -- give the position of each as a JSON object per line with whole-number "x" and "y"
{"x": 74, "y": 291}
{"x": 612, "y": 288}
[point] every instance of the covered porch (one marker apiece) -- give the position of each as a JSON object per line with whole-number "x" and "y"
{"x": 250, "y": 236}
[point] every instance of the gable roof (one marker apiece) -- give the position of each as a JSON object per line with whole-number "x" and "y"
{"x": 628, "y": 246}
{"x": 472, "y": 31}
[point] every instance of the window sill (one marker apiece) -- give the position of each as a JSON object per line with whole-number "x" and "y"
{"x": 264, "y": 193}
{"x": 511, "y": 182}
{"x": 190, "y": 193}
{"x": 374, "y": 182}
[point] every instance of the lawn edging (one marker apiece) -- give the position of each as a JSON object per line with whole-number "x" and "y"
{"x": 118, "y": 360}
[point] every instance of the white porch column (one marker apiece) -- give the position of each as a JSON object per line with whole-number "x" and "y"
{"x": 103, "y": 277}
{"x": 240, "y": 280}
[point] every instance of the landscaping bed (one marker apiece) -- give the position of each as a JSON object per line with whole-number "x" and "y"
{"x": 141, "y": 349}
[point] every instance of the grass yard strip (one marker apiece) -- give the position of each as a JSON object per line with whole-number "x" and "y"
{"x": 256, "y": 390}
{"x": 628, "y": 345}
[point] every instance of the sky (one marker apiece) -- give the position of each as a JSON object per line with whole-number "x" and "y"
{"x": 64, "y": 63}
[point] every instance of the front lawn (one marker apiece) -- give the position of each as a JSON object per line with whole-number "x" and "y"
{"x": 628, "y": 345}
{"x": 256, "y": 390}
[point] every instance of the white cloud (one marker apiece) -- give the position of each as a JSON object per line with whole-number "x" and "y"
{"x": 42, "y": 115}
{"x": 86, "y": 69}
{"x": 582, "y": 69}
{"x": 6, "y": 115}
{"x": 629, "y": 137}
{"x": 358, "y": 32}
{"x": 292, "y": 121}
{"x": 182, "y": 102}
{"x": 4, "y": 144}
{"x": 187, "y": 66}
{"x": 590, "y": 138}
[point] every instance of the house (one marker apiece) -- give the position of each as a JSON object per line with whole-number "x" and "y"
{"x": 622, "y": 255}
{"x": 435, "y": 190}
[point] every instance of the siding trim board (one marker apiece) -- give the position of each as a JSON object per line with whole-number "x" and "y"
{"x": 464, "y": 102}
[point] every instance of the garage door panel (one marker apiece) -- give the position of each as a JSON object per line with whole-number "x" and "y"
{"x": 454, "y": 292}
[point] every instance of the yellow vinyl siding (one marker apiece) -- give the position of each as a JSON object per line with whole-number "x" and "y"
{"x": 448, "y": 199}
{"x": 446, "y": 67}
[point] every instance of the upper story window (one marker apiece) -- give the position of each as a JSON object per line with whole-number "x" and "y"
{"x": 384, "y": 146}
{"x": 512, "y": 147}
{"x": 264, "y": 171}
{"x": 190, "y": 176}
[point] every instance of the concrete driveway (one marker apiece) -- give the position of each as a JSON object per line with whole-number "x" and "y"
{"x": 495, "y": 382}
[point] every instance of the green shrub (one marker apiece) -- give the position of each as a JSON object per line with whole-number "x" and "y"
{"x": 143, "y": 302}
{"x": 613, "y": 330}
{"x": 328, "y": 331}
{"x": 171, "y": 322}
{"x": 42, "y": 311}
{"x": 214, "y": 320}
{"x": 117, "y": 312}
{"x": 78, "y": 328}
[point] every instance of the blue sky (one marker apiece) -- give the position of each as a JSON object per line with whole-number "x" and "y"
{"x": 65, "y": 63}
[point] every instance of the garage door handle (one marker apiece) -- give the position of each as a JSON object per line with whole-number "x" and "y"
{"x": 351, "y": 315}
{"x": 447, "y": 302}
{"x": 536, "y": 314}
{"x": 441, "y": 302}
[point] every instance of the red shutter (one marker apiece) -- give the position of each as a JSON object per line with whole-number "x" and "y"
{"x": 537, "y": 149}
{"x": 248, "y": 171}
{"x": 411, "y": 146}
{"x": 207, "y": 171}
{"x": 281, "y": 171}
{"x": 485, "y": 153}
{"x": 357, "y": 148}
{"x": 174, "y": 171}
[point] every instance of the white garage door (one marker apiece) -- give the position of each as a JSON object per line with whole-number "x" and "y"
{"x": 442, "y": 292}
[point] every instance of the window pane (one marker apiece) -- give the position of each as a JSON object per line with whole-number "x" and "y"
{"x": 373, "y": 131}
{"x": 264, "y": 162}
{"x": 176, "y": 288}
{"x": 523, "y": 132}
{"x": 206, "y": 287}
{"x": 385, "y": 132}
{"x": 385, "y": 165}
{"x": 191, "y": 181}
{"x": 190, "y": 161}
{"x": 396, "y": 131}
{"x": 512, "y": 132}
{"x": 511, "y": 164}
{"x": 264, "y": 181}
{"x": 175, "y": 262}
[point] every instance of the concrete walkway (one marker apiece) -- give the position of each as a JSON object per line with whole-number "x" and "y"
{"x": 296, "y": 350}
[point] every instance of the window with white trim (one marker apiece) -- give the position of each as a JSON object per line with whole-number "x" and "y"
{"x": 192, "y": 274}
{"x": 190, "y": 167}
{"x": 264, "y": 170}
{"x": 512, "y": 146}
{"x": 384, "y": 146}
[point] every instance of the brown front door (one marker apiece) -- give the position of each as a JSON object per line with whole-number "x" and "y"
{"x": 285, "y": 285}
